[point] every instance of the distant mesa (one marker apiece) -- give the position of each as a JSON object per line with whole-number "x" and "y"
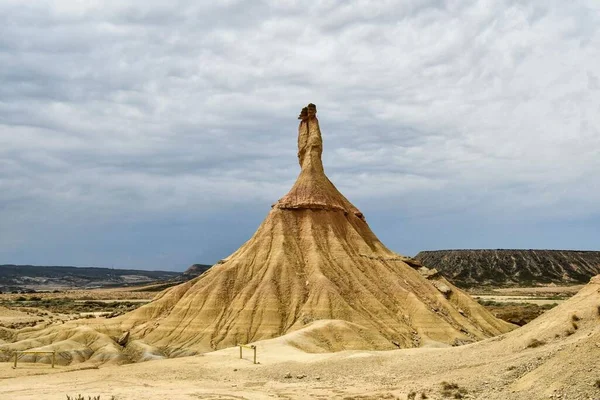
{"x": 313, "y": 267}
{"x": 510, "y": 268}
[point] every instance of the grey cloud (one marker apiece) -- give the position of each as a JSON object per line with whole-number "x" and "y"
{"x": 138, "y": 111}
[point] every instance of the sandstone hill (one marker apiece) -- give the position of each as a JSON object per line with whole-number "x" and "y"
{"x": 467, "y": 268}
{"x": 313, "y": 265}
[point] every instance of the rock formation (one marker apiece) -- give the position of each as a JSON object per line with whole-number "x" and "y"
{"x": 195, "y": 270}
{"x": 313, "y": 266}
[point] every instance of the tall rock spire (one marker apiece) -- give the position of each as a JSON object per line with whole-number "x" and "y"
{"x": 313, "y": 190}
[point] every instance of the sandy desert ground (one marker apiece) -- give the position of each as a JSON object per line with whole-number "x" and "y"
{"x": 563, "y": 365}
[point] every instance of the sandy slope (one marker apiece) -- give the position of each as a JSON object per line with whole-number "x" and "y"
{"x": 500, "y": 368}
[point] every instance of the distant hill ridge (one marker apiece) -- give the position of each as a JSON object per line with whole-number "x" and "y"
{"x": 18, "y": 276}
{"x": 505, "y": 267}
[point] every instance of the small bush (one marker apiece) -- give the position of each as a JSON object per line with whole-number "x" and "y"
{"x": 449, "y": 386}
{"x": 533, "y": 343}
{"x": 412, "y": 395}
{"x": 569, "y": 332}
{"x": 453, "y": 390}
{"x": 575, "y": 318}
{"x": 424, "y": 395}
{"x": 574, "y": 325}
{"x": 599, "y": 311}
{"x": 597, "y": 384}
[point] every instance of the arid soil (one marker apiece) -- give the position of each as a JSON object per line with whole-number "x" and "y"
{"x": 546, "y": 359}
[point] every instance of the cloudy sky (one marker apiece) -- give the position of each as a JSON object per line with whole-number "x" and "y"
{"x": 154, "y": 134}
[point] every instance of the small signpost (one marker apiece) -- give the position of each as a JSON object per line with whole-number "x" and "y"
{"x": 252, "y": 347}
{"x": 20, "y": 353}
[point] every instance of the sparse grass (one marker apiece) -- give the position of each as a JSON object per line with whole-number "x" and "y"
{"x": 561, "y": 296}
{"x": 533, "y": 343}
{"x": 80, "y": 397}
{"x": 64, "y": 305}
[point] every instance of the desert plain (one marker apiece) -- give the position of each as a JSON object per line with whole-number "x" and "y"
{"x": 564, "y": 365}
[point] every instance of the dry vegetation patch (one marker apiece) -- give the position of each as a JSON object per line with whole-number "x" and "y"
{"x": 453, "y": 390}
{"x": 516, "y": 313}
{"x": 533, "y": 343}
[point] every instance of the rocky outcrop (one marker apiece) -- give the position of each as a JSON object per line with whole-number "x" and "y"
{"x": 468, "y": 268}
{"x": 195, "y": 270}
{"x": 313, "y": 190}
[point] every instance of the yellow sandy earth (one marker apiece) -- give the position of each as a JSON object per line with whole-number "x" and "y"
{"x": 563, "y": 366}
